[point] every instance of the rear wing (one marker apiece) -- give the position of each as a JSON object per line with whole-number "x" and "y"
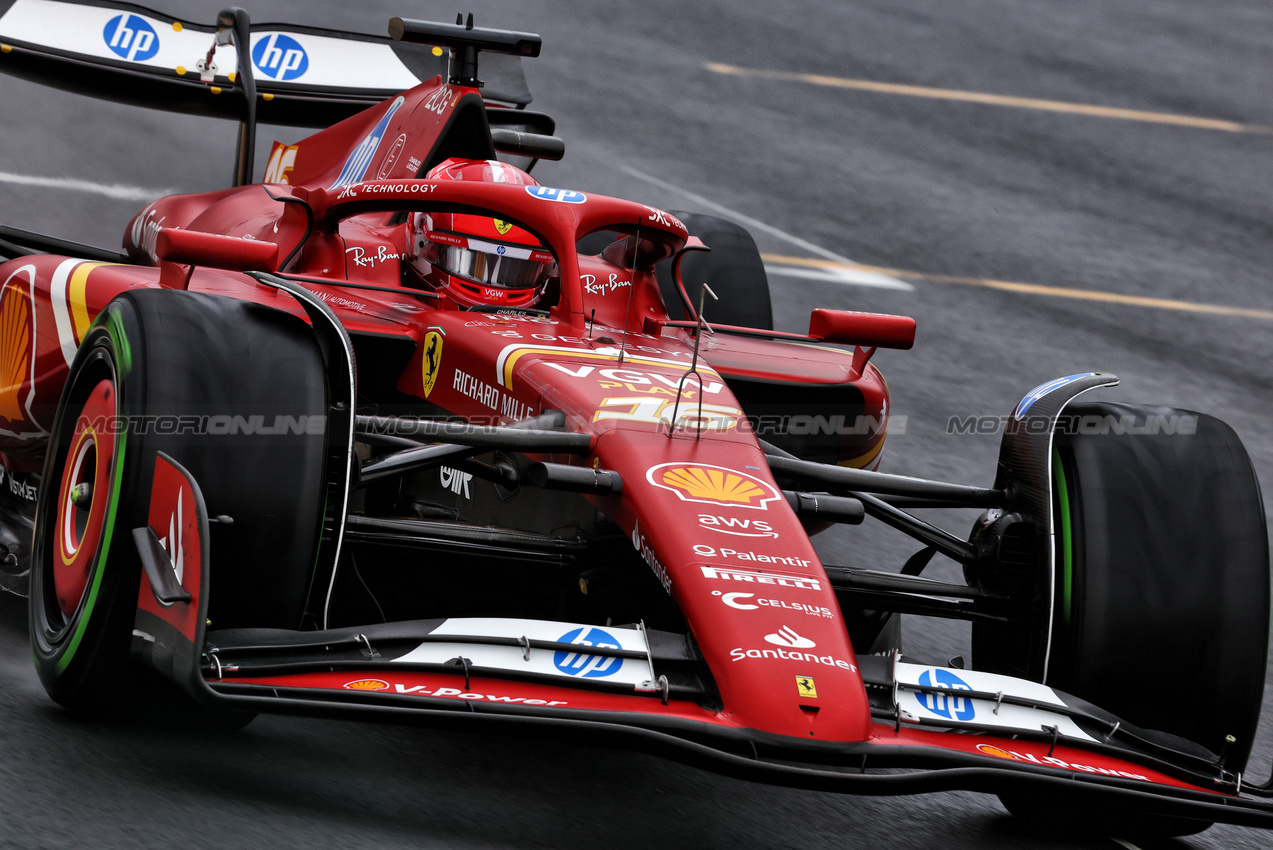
{"x": 305, "y": 76}
{"x": 294, "y": 76}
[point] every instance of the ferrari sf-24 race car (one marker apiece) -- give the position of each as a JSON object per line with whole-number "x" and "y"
{"x": 401, "y": 432}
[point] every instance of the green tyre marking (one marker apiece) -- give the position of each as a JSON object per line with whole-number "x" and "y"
{"x": 102, "y": 555}
{"x": 119, "y": 340}
{"x": 1067, "y": 540}
{"x": 115, "y": 327}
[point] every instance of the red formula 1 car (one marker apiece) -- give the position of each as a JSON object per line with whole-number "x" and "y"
{"x": 402, "y": 432}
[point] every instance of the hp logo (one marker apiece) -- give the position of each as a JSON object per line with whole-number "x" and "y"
{"x": 565, "y": 196}
{"x": 130, "y": 37}
{"x": 946, "y": 705}
{"x": 588, "y": 666}
{"x": 280, "y": 56}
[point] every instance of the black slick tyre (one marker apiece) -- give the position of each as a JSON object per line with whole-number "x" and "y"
{"x": 1162, "y": 584}
{"x": 152, "y": 374}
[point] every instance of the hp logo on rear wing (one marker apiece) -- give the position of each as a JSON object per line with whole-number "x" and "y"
{"x": 131, "y": 37}
{"x": 280, "y": 57}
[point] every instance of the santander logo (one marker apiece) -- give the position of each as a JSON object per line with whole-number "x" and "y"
{"x": 786, "y": 636}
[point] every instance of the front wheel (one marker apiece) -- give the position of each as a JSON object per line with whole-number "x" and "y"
{"x": 82, "y": 594}
{"x": 236, "y": 394}
{"x": 1161, "y": 587}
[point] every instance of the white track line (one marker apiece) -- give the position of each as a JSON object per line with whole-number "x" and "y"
{"x": 846, "y": 276}
{"x": 115, "y": 191}
{"x": 1125, "y": 844}
{"x": 862, "y": 279}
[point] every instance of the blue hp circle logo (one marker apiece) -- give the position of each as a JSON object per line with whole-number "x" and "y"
{"x": 130, "y": 37}
{"x": 946, "y": 705}
{"x": 280, "y": 56}
{"x": 548, "y": 193}
{"x": 588, "y": 666}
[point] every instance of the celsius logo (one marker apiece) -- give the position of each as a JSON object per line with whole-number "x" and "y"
{"x": 786, "y": 636}
{"x": 583, "y": 664}
{"x": 945, "y": 705}
{"x": 280, "y": 57}
{"x": 131, "y": 37}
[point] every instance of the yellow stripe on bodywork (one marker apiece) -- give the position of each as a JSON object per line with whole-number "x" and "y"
{"x": 79, "y": 304}
{"x": 511, "y": 358}
{"x": 862, "y": 461}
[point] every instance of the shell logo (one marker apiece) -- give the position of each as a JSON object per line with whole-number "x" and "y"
{"x": 367, "y": 685}
{"x": 15, "y": 351}
{"x": 713, "y": 485}
{"x": 996, "y": 752}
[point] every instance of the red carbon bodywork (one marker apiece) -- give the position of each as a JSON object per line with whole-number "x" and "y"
{"x": 698, "y": 500}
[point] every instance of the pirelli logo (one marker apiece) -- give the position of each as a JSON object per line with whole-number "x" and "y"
{"x": 778, "y": 579}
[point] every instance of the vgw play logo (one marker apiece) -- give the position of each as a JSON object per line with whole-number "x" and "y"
{"x": 280, "y": 57}
{"x": 131, "y": 37}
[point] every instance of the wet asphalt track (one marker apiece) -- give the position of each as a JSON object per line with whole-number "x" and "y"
{"x": 931, "y": 186}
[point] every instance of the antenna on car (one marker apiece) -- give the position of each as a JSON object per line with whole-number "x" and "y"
{"x": 693, "y": 370}
{"x": 466, "y": 42}
{"x": 235, "y": 28}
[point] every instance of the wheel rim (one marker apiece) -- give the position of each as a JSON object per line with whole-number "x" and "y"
{"x": 83, "y": 497}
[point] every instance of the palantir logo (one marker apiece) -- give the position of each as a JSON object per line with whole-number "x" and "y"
{"x": 280, "y": 57}
{"x": 583, "y": 664}
{"x": 946, "y": 705}
{"x": 131, "y": 37}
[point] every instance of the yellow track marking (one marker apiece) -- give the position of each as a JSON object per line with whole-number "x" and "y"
{"x": 992, "y": 99}
{"x": 1037, "y": 289}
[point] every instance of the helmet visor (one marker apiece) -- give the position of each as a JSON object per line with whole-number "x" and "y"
{"x": 496, "y": 264}
{"x": 494, "y": 268}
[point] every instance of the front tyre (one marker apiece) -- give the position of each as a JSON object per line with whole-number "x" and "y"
{"x": 1162, "y": 612}
{"x": 1161, "y": 586}
{"x": 82, "y": 598}
{"x": 235, "y": 393}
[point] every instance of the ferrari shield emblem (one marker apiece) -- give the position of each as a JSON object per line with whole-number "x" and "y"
{"x": 432, "y": 360}
{"x": 502, "y": 226}
{"x": 806, "y": 687}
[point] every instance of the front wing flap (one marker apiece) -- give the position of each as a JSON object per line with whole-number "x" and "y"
{"x": 934, "y": 728}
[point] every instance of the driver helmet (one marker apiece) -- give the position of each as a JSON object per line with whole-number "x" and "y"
{"x": 476, "y": 260}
